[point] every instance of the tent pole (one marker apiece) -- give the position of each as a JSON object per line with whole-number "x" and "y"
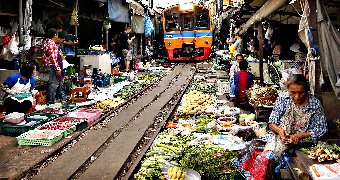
{"x": 261, "y": 52}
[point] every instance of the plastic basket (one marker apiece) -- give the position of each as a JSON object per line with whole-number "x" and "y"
{"x": 91, "y": 114}
{"x": 66, "y": 132}
{"x": 22, "y": 95}
{"x": 223, "y": 87}
{"x": 28, "y": 117}
{"x": 16, "y": 130}
{"x": 38, "y": 142}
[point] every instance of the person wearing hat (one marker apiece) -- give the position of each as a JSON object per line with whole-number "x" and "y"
{"x": 50, "y": 60}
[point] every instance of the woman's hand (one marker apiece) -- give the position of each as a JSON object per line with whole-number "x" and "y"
{"x": 283, "y": 134}
{"x": 295, "y": 138}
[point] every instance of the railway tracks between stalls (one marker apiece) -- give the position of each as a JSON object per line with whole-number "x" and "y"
{"x": 167, "y": 91}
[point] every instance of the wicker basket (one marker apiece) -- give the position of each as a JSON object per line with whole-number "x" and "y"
{"x": 223, "y": 87}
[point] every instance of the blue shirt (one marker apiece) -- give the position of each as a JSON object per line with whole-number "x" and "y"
{"x": 13, "y": 79}
{"x": 317, "y": 125}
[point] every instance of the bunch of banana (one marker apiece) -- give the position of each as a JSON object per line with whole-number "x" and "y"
{"x": 176, "y": 173}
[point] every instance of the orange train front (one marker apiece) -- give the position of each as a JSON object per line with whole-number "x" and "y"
{"x": 187, "y": 32}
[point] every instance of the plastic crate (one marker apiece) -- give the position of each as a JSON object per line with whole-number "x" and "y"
{"x": 38, "y": 142}
{"x": 118, "y": 79}
{"x": 49, "y": 117}
{"x": 82, "y": 124}
{"x": 66, "y": 132}
{"x": 16, "y": 130}
{"x": 91, "y": 114}
{"x": 98, "y": 81}
{"x": 107, "y": 80}
{"x": 223, "y": 87}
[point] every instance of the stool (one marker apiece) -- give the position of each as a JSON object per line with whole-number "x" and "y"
{"x": 85, "y": 90}
{"x": 242, "y": 101}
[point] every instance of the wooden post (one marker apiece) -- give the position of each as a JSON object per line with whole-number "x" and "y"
{"x": 261, "y": 52}
{"x": 21, "y": 38}
{"x": 315, "y": 73}
{"x": 107, "y": 39}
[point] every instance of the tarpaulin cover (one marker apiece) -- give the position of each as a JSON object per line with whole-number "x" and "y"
{"x": 137, "y": 24}
{"x": 148, "y": 26}
{"x": 329, "y": 44}
{"x": 118, "y": 11}
{"x": 267, "y": 9}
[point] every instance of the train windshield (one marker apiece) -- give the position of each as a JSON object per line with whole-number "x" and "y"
{"x": 172, "y": 19}
{"x": 176, "y": 20}
{"x": 188, "y": 23}
{"x": 202, "y": 18}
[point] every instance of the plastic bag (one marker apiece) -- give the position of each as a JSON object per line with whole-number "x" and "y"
{"x": 13, "y": 46}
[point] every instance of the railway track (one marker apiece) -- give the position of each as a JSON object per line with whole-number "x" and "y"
{"x": 113, "y": 146}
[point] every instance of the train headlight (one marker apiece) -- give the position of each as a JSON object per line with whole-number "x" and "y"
{"x": 206, "y": 41}
{"x": 169, "y": 43}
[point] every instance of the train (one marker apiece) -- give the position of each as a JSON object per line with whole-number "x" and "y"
{"x": 187, "y": 32}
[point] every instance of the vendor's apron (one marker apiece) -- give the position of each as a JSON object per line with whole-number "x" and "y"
{"x": 294, "y": 120}
{"x": 22, "y": 88}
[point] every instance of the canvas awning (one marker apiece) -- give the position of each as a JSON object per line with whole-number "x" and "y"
{"x": 118, "y": 11}
{"x": 268, "y": 8}
{"x": 138, "y": 9}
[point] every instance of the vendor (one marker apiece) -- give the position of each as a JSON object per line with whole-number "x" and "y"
{"x": 296, "y": 115}
{"x": 243, "y": 80}
{"x": 20, "y": 82}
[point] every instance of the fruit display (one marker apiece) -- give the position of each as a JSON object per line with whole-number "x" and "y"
{"x": 265, "y": 96}
{"x": 204, "y": 87}
{"x": 107, "y": 104}
{"x": 55, "y": 126}
{"x": 195, "y": 102}
{"x": 129, "y": 90}
{"x": 176, "y": 173}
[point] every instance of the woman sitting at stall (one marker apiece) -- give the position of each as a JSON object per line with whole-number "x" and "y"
{"x": 296, "y": 115}
{"x": 21, "y": 82}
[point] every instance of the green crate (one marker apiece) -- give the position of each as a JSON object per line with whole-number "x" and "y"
{"x": 118, "y": 79}
{"x": 16, "y": 130}
{"x": 81, "y": 126}
{"x": 38, "y": 142}
{"x": 69, "y": 107}
{"x": 49, "y": 116}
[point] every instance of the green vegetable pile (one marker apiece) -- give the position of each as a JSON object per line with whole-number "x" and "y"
{"x": 202, "y": 121}
{"x": 149, "y": 78}
{"x": 210, "y": 161}
{"x": 129, "y": 90}
{"x": 204, "y": 87}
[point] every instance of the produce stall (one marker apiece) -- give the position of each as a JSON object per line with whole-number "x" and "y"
{"x": 262, "y": 99}
{"x": 50, "y": 123}
{"x": 199, "y": 141}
